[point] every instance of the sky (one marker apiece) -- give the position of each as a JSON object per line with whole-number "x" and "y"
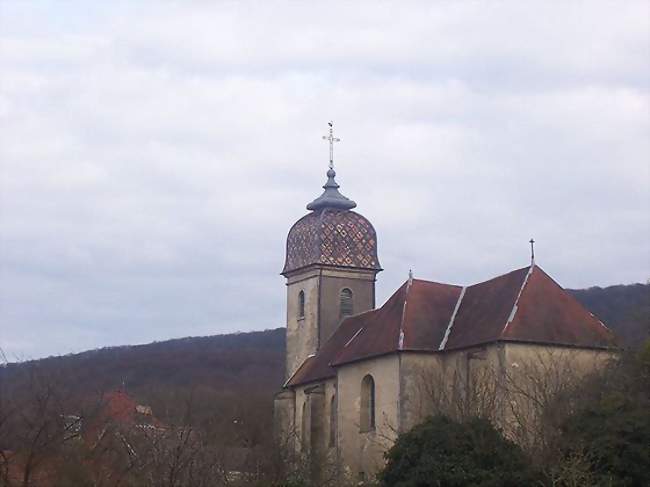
{"x": 153, "y": 155}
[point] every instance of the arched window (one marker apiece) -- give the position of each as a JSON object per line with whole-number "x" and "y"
{"x": 346, "y": 303}
{"x": 301, "y": 304}
{"x": 332, "y": 439}
{"x": 367, "y": 419}
{"x": 303, "y": 425}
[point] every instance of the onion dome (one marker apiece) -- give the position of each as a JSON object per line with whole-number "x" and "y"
{"x": 331, "y": 234}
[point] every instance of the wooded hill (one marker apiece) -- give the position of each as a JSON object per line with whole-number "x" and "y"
{"x": 624, "y": 308}
{"x": 210, "y": 401}
{"x": 238, "y": 373}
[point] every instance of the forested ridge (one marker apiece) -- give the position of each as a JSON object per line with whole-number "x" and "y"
{"x": 217, "y": 371}
{"x": 624, "y": 308}
{"x": 209, "y": 397}
{"x": 253, "y": 363}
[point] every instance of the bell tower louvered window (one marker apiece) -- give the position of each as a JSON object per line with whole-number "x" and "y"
{"x": 346, "y": 303}
{"x": 301, "y": 304}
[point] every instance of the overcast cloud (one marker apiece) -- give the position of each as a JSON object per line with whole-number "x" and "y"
{"x": 153, "y": 155}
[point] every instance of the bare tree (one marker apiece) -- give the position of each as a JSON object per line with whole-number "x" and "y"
{"x": 458, "y": 394}
{"x": 528, "y": 399}
{"x": 36, "y": 425}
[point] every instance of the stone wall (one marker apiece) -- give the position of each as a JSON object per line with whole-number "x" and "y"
{"x": 503, "y": 382}
{"x": 302, "y": 332}
{"x": 361, "y": 452}
{"x": 456, "y": 383}
{"x": 333, "y": 281}
{"x": 322, "y": 287}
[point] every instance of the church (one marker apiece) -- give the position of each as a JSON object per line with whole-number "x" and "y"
{"x": 357, "y": 375}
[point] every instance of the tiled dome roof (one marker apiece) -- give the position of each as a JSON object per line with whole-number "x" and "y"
{"x": 332, "y": 236}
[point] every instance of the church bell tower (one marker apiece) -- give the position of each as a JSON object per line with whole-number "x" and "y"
{"x": 331, "y": 267}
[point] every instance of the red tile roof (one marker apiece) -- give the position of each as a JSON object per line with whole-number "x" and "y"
{"x": 547, "y": 313}
{"x": 119, "y": 406}
{"x": 525, "y": 305}
{"x": 484, "y": 310}
{"x": 418, "y": 313}
{"x": 317, "y": 367}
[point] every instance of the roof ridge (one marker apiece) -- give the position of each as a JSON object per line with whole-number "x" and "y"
{"x": 515, "y": 306}
{"x": 428, "y": 281}
{"x": 360, "y": 313}
{"x": 298, "y": 369}
{"x": 573, "y": 298}
{"x": 400, "y": 339}
{"x": 475, "y": 284}
{"x": 353, "y": 337}
{"x": 443, "y": 342}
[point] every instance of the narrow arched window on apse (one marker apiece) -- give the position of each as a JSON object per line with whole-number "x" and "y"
{"x": 301, "y": 304}
{"x": 304, "y": 423}
{"x": 332, "y": 439}
{"x": 367, "y": 416}
{"x": 346, "y": 303}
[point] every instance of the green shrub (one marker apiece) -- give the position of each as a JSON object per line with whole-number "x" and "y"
{"x": 444, "y": 453}
{"x": 611, "y": 429}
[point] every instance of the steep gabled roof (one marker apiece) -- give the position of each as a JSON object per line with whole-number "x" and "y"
{"x": 414, "y": 318}
{"x": 485, "y": 309}
{"x": 317, "y": 367}
{"x": 525, "y": 305}
{"x": 420, "y": 310}
{"x": 378, "y": 331}
{"x": 547, "y": 313}
{"x": 427, "y": 313}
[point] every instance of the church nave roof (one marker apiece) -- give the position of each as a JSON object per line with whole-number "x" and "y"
{"x": 525, "y": 305}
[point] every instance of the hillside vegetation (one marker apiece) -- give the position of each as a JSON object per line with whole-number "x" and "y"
{"x": 624, "y": 308}
{"x": 211, "y": 398}
{"x": 227, "y": 368}
{"x": 233, "y": 374}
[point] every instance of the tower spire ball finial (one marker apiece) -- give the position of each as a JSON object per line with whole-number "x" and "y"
{"x": 331, "y": 198}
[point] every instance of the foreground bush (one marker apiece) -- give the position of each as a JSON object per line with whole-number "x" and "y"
{"x": 443, "y": 453}
{"x": 610, "y": 431}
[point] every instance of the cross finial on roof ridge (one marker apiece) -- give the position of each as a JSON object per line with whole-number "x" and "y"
{"x": 532, "y": 251}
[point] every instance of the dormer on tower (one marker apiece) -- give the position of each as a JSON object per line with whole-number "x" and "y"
{"x": 331, "y": 266}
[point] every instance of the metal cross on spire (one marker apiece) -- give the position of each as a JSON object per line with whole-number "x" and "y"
{"x": 331, "y": 139}
{"x": 532, "y": 251}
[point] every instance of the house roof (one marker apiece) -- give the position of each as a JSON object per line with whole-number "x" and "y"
{"x": 119, "y": 406}
{"x": 525, "y": 305}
